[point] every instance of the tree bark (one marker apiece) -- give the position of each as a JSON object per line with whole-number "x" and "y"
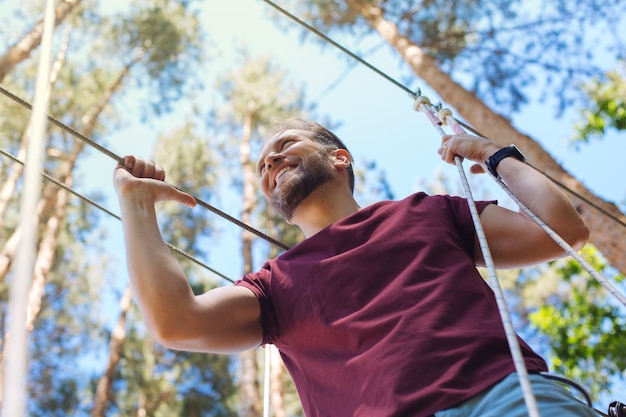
{"x": 45, "y": 257}
{"x": 10, "y": 182}
{"x": 9, "y": 185}
{"x": 118, "y": 336}
{"x": 250, "y": 398}
{"x": 606, "y": 234}
{"x": 277, "y": 384}
{"x": 53, "y": 198}
{"x": 22, "y": 49}
{"x": 47, "y": 202}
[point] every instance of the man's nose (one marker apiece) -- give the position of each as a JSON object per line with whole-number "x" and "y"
{"x": 272, "y": 159}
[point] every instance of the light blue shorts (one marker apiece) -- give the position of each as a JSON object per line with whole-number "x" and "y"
{"x": 505, "y": 399}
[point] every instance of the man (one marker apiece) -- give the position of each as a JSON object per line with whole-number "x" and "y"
{"x": 380, "y": 310}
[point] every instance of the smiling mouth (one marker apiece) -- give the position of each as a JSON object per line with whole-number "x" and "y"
{"x": 281, "y": 172}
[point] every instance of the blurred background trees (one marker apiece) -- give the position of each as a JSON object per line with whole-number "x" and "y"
{"x": 154, "y": 63}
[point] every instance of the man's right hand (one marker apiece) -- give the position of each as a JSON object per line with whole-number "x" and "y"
{"x": 145, "y": 179}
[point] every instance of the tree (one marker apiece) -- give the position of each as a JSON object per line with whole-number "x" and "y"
{"x": 256, "y": 95}
{"x": 22, "y": 49}
{"x": 476, "y": 41}
{"x": 82, "y": 94}
{"x": 607, "y": 106}
{"x": 584, "y": 324}
{"x": 582, "y": 321}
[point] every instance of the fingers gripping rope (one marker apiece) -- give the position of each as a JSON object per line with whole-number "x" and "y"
{"x": 110, "y": 213}
{"x": 447, "y": 116}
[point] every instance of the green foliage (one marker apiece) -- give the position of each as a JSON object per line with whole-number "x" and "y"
{"x": 586, "y": 327}
{"x": 185, "y": 154}
{"x": 166, "y": 37}
{"x": 607, "y": 96}
{"x": 154, "y": 44}
{"x": 497, "y": 49}
{"x": 170, "y": 383}
{"x": 68, "y": 326}
{"x": 260, "y": 89}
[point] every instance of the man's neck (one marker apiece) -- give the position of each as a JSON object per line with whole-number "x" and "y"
{"x": 323, "y": 207}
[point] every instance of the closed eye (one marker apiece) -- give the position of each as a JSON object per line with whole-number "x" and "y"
{"x": 285, "y": 144}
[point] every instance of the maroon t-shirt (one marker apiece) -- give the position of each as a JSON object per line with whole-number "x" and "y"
{"x": 384, "y": 313}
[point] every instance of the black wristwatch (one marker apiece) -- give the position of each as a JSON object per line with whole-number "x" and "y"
{"x": 494, "y": 160}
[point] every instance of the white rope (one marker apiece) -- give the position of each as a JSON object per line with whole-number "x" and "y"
{"x": 16, "y": 359}
{"x": 423, "y": 104}
{"x": 555, "y": 236}
{"x": 266, "y": 381}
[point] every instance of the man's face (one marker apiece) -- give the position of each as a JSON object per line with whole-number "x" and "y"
{"x": 291, "y": 166}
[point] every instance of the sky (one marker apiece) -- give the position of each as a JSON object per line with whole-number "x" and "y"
{"x": 377, "y": 120}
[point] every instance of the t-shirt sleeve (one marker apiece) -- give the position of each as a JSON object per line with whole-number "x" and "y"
{"x": 259, "y": 283}
{"x": 460, "y": 210}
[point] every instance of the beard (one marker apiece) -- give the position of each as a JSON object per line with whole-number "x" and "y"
{"x": 314, "y": 171}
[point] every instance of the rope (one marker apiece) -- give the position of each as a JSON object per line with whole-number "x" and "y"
{"x": 119, "y": 159}
{"x": 16, "y": 360}
{"x": 436, "y": 106}
{"x": 266, "y": 381}
{"x": 343, "y": 49}
{"x": 558, "y": 239}
{"x": 413, "y": 94}
{"x": 422, "y": 104}
{"x": 446, "y": 116}
{"x": 110, "y": 213}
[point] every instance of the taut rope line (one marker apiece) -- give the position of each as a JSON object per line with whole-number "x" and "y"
{"x": 417, "y": 93}
{"x": 119, "y": 159}
{"x": 558, "y": 239}
{"x": 423, "y": 104}
{"x": 337, "y": 45}
{"x": 110, "y": 213}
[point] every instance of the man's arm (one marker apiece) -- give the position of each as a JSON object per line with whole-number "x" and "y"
{"x": 515, "y": 239}
{"x": 222, "y": 320}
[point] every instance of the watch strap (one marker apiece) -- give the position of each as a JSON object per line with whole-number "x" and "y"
{"x": 509, "y": 151}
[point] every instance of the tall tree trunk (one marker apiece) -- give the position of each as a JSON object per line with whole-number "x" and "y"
{"x": 250, "y": 398}
{"x": 277, "y": 383}
{"x": 10, "y": 183}
{"x": 47, "y": 246}
{"x": 606, "y": 234}
{"x": 118, "y": 336}
{"x": 22, "y": 48}
{"x": 44, "y": 208}
{"x": 89, "y": 120}
{"x": 52, "y": 198}
{"x": 45, "y": 256}
{"x": 44, "y": 260}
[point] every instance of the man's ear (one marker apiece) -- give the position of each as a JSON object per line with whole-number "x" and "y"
{"x": 343, "y": 159}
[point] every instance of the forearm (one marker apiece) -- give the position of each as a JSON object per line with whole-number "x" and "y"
{"x": 514, "y": 239}
{"x": 160, "y": 287}
{"x": 545, "y": 200}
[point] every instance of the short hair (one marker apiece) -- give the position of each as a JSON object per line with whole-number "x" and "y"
{"x": 320, "y": 135}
